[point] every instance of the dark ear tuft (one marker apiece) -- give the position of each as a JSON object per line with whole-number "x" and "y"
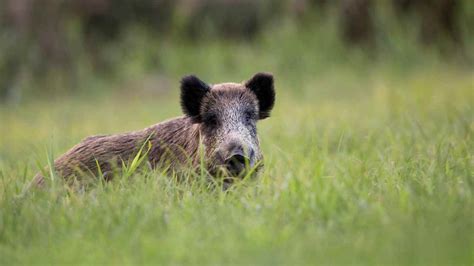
{"x": 193, "y": 91}
{"x": 262, "y": 85}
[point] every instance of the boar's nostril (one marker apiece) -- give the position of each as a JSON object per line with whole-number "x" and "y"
{"x": 236, "y": 163}
{"x": 239, "y": 158}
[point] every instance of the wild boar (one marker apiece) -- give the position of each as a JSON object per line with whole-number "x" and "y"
{"x": 220, "y": 118}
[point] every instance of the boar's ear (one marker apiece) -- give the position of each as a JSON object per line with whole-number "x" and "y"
{"x": 262, "y": 85}
{"x": 192, "y": 93}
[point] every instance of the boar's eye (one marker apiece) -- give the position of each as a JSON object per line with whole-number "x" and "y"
{"x": 210, "y": 120}
{"x": 248, "y": 115}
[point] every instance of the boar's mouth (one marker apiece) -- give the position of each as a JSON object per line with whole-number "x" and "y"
{"x": 229, "y": 180}
{"x": 228, "y": 177}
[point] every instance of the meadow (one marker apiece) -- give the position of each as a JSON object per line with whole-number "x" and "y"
{"x": 368, "y": 161}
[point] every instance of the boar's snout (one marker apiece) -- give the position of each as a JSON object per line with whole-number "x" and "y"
{"x": 237, "y": 158}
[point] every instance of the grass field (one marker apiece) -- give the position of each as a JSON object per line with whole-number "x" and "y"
{"x": 366, "y": 163}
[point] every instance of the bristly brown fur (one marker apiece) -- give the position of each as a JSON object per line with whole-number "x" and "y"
{"x": 177, "y": 138}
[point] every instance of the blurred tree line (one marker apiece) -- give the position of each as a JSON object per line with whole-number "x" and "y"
{"x": 40, "y": 37}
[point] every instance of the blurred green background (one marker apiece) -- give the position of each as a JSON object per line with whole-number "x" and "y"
{"x": 368, "y": 153}
{"x": 55, "y": 47}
